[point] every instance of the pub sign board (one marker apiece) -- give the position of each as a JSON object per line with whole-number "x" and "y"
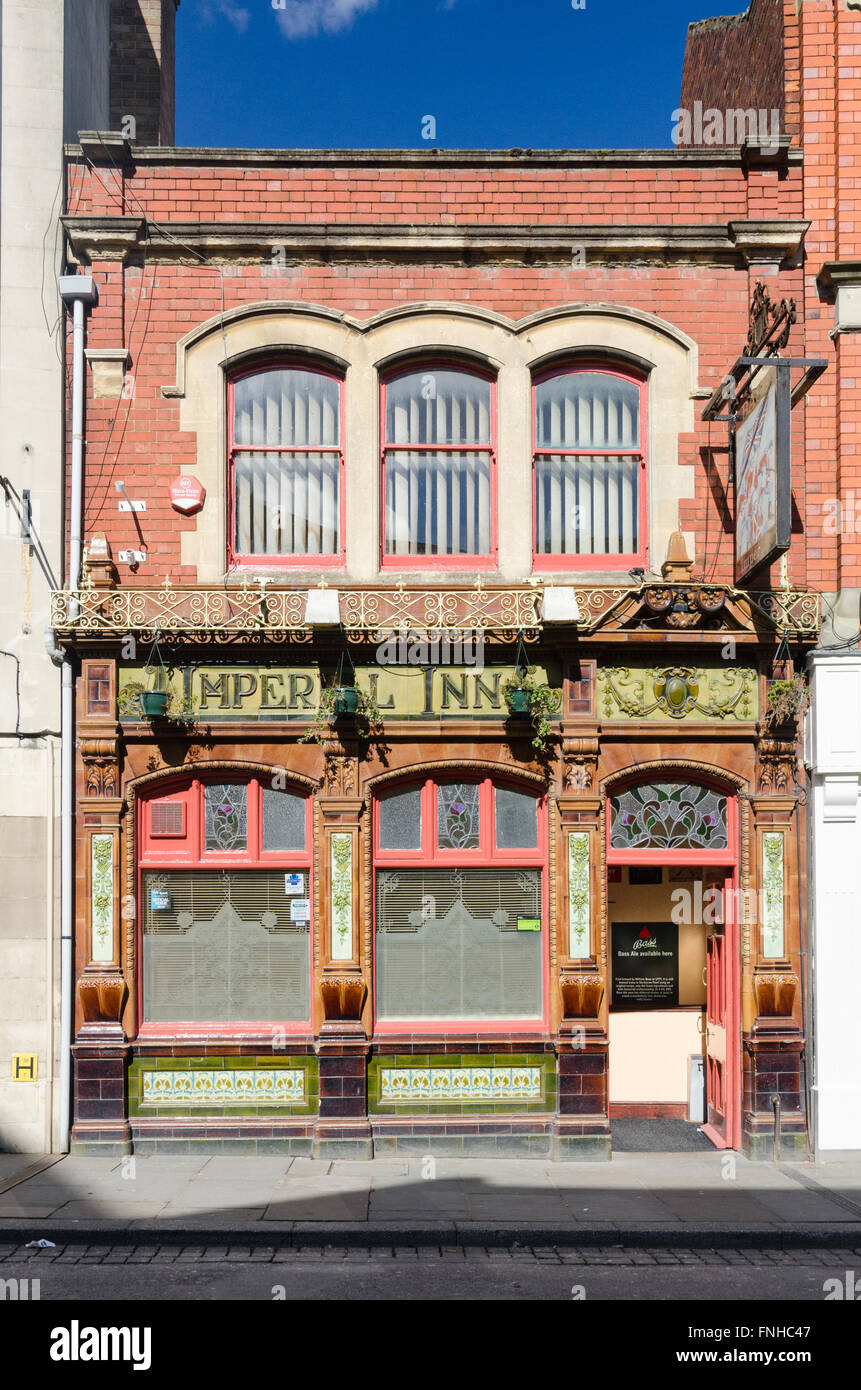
{"x": 211, "y": 691}
{"x": 645, "y": 965}
{"x": 763, "y": 490}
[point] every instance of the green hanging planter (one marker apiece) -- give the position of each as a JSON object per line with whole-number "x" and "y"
{"x": 155, "y": 703}
{"x": 345, "y": 700}
{"x": 519, "y": 701}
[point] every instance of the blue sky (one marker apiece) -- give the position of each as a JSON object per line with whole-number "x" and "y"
{"x": 322, "y": 74}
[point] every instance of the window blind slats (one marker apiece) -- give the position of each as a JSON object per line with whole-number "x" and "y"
{"x": 587, "y": 504}
{"x": 287, "y": 502}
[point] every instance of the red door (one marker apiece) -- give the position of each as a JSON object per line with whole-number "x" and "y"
{"x": 722, "y": 1053}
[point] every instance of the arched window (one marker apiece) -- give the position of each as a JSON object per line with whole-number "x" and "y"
{"x": 225, "y": 898}
{"x": 461, "y": 925}
{"x": 439, "y": 438}
{"x": 590, "y": 470}
{"x": 286, "y": 457}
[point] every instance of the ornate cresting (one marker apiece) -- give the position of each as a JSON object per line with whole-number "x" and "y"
{"x": 256, "y": 611}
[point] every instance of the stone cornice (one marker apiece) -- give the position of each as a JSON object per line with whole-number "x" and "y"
{"x": 724, "y": 157}
{"x": 736, "y": 243}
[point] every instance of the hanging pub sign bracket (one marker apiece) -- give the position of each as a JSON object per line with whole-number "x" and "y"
{"x": 755, "y": 400}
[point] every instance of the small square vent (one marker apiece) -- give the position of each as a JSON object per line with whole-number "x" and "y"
{"x": 167, "y": 819}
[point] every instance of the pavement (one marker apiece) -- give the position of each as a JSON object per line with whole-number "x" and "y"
{"x": 704, "y": 1198}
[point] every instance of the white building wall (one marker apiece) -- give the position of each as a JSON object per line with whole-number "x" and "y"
{"x": 54, "y": 58}
{"x": 834, "y": 754}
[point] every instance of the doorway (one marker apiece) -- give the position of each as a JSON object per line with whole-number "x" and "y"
{"x": 673, "y": 987}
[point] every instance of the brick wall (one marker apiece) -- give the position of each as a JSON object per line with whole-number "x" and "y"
{"x": 148, "y": 308}
{"x": 737, "y": 61}
{"x": 143, "y": 68}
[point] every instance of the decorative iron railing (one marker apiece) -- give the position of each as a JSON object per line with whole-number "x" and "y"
{"x": 261, "y": 610}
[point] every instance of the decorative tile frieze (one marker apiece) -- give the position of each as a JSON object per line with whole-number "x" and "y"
{"x": 579, "y": 914}
{"x": 773, "y": 945}
{"x": 460, "y": 1083}
{"x": 102, "y": 898}
{"x": 276, "y": 1086}
{"x": 725, "y": 694}
{"x": 342, "y": 896}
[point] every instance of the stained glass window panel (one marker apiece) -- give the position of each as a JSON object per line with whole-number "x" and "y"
{"x": 516, "y": 820}
{"x": 283, "y": 821}
{"x": 668, "y": 815}
{"x": 401, "y": 820}
{"x": 225, "y": 817}
{"x": 457, "y": 816}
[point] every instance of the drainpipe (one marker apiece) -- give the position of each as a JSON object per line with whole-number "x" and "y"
{"x": 80, "y": 292}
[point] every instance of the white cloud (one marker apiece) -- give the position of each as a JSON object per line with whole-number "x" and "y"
{"x": 302, "y": 19}
{"x": 227, "y": 9}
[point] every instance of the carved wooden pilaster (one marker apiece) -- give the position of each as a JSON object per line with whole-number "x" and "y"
{"x": 777, "y": 763}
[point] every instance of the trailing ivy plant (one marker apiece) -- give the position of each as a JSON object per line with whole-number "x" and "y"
{"x": 368, "y": 716}
{"x": 786, "y": 700}
{"x": 525, "y": 688}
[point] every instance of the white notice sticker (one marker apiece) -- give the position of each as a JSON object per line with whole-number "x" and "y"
{"x": 294, "y": 883}
{"x": 300, "y": 910}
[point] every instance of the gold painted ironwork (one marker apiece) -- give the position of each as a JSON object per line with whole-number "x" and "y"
{"x": 252, "y": 611}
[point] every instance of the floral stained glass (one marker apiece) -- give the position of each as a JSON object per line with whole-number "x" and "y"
{"x": 668, "y": 815}
{"x": 225, "y": 817}
{"x": 457, "y": 815}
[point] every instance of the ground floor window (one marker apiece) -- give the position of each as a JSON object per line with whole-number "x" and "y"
{"x": 225, "y": 904}
{"x": 223, "y": 948}
{"x": 460, "y": 926}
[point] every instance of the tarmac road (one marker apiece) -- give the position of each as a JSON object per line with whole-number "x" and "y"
{"x": 269, "y": 1274}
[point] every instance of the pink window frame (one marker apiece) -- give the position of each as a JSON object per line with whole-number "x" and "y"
{"x": 542, "y": 562}
{"x": 485, "y": 856}
{"x": 253, "y": 857}
{"x": 241, "y": 562}
{"x": 466, "y": 563}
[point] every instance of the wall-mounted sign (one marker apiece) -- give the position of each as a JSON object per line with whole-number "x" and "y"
{"x": 159, "y": 900}
{"x": 294, "y": 883}
{"x": 187, "y": 494}
{"x": 645, "y": 965}
{"x": 25, "y": 1066}
{"x": 211, "y": 692}
{"x": 763, "y": 496}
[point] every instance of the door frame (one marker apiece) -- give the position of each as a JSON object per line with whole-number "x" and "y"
{"x": 728, "y": 858}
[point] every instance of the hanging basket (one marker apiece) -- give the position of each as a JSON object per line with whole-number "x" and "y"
{"x": 155, "y": 703}
{"x": 345, "y": 700}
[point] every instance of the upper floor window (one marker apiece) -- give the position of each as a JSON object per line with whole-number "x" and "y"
{"x": 590, "y": 468}
{"x": 286, "y": 464}
{"x": 438, "y": 432}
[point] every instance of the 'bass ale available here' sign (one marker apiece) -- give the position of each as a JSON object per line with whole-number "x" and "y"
{"x": 645, "y": 965}
{"x": 209, "y": 692}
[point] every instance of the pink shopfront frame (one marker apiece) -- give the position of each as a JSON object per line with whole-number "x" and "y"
{"x": 485, "y": 856}
{"x": 196, "y": 856}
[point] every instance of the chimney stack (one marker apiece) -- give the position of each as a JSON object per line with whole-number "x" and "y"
{"x": 143, "y": 69}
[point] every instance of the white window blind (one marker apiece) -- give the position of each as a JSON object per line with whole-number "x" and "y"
{"x": 223, "y": 948}
{"x": 587, "y": 465}
{"x": 287, "y": 464}
{"x": 438, "y": 464}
